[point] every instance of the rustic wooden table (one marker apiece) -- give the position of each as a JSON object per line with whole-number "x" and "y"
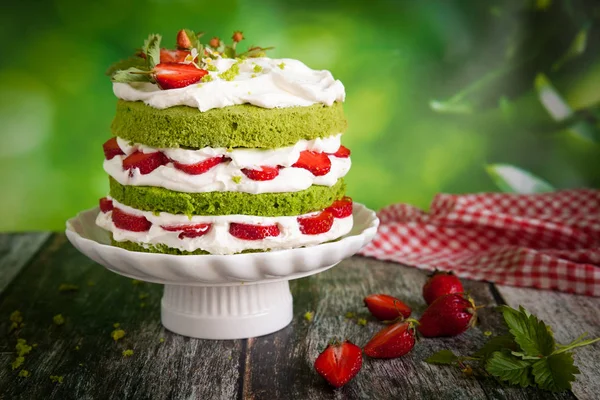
{"x": 277, "y": 366}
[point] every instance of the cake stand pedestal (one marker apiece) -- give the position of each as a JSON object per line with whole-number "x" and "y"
{"x": 222, "y": 297}
{"x": 227, "y": 312}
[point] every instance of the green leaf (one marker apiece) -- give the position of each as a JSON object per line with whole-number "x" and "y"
{"x": 497, "y": 343}
{"x": 511, "y": 179}
{"x": 451, "y": 107}
{"x": 443, "y": 357}
{"x": 555, "y": 372}
{"x": 152, "y": 50}
{"x": 132, "y": 75}
{"x": 131, "y": 62}
{"x": 530, "y": 333}
{"x": 584, "y": 130}
{"x": 552, "y": 101}
{"x": 577, "y": 48}
{"x": 229, "y": 52}
{"x": 579, "y": 342}
{"x": 200, "y": 48}
{"x": 524, "y": 356}
{"x": 509, "y": 368}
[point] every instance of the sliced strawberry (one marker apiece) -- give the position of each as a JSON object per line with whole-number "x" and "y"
{"x": 316, "y": 224}
{"x": 189, "y": 231}
{"x": 341, "y": 208}
{"x": 106, "y": 205}
{"x": 129, "y": 222}
{"x": 253, "y": 232}
{"x": 111, "y": 148}
{"x": 386, "y": 308}
{"x": 144, "y": 162}
{"x": 175, "y": 75}
{"x": 173, "y": 56}
{"x": 392, "y": 341}
{"x": 317, "y": 163}
{"x": 339, "y": 363}
{"x": 342, "y": 152}
{"x": 201, "y": 167}
{"x": 262, "y": 174}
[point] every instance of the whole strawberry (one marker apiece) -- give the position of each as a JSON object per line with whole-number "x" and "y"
{"x": 393, "y": 341}
{"x": 386, "y": 308}
{"x": 339, "y": 363}
{"x": 449, "y": 315}
{"x": 440, "y": 284}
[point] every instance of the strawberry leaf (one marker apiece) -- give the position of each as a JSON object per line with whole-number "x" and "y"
{"x": 443, "y": 357}
{"x": 553, "y": 102}
{"x": 152, "y": 50}
{"x": 192, "y": 37}
{"x": 497, "y": 343}
{"x": 131, "y": 62}
{"x": 530, "y": 333}
{"x": 132, "y": 75}
{"x": 556, "y": 372}
{"x": 577, "y": 48}
{"x": 509, "y": 368}
{"x": 511, "y": 179}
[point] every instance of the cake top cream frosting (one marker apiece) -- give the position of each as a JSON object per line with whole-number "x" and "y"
{"x": 215, "y": 76}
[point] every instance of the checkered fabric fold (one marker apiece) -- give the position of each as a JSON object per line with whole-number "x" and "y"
{"x": 546, "y": 241}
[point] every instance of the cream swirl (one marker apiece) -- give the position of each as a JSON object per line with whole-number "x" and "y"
{"x": 218, "y": 240}
{"x": 263, "y": 82}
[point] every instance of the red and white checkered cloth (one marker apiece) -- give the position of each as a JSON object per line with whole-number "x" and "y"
{"x": 546, "y": 241}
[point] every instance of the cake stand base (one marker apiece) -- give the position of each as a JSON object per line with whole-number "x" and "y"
{"x": 227, "y": 312}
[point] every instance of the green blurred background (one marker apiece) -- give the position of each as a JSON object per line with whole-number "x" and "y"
{"x": 442, "y": 96}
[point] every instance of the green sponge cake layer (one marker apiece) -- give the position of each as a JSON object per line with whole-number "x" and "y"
{"x": 160, "y": 248}
{"x": 153, "y": 199}
{"x": 235, "y": 126}
{"x": 164, "y": 249}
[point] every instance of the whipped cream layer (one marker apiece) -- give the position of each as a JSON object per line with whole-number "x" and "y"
{"x": 218, "y": 240}
{"x": 263, "y": 82}
{"x": 228, "y": 176}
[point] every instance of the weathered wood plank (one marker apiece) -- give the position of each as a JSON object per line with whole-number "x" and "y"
{"x": 177, "y": 368}
{"x": 281, "y": 365}
{"x": 16, "y": 249}
{"x": 570, "y": 316}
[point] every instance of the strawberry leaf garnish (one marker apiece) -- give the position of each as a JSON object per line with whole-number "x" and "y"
{"x": 556, "y": 372}
{"x": 443, "y": 357}
{"x": 131, "y": 62}
{"x": 152, "y": 50}
{"x": 510, "y": 368}
{"x": 495, "y": 344}
{"x": 132, "y": 75}
{"x": 530, "y": 333}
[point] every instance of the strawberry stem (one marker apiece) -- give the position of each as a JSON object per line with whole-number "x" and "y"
{"x": 576, "y": 344}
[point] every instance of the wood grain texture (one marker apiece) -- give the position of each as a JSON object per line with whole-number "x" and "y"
{"x": 277, "y": 366}
{"x": 569, "y": 316}
{"x": 15, "y": 251}
{"x": 178, "y": 368}
{"x": 280, "y": 366}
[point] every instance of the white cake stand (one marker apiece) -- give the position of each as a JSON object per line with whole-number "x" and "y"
{"x": 222, "y": 297}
